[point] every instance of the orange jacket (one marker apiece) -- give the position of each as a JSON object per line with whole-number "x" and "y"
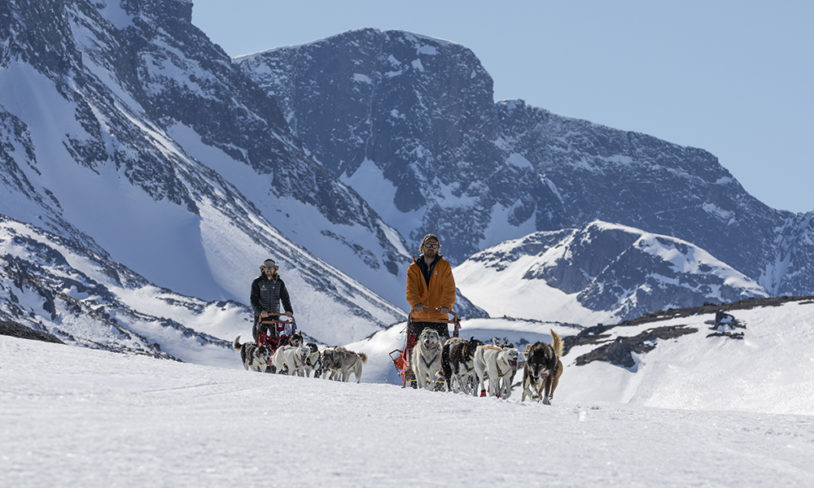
{"x": 441, "y": 291}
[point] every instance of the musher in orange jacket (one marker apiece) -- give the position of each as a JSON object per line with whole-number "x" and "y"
{"x": 430, "y": 288}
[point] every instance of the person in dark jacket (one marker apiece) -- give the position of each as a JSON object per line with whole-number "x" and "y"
{"x": 268, "y": 290}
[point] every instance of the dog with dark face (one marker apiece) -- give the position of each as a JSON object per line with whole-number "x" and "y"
{"x": 446, "y": 367}
{"x": 543, "y": 369}
{"x": 295, "y": 339}
{"x": 314, "y": 360}
{"x": 254, "y": 357}
{"x": 458, "y": 364}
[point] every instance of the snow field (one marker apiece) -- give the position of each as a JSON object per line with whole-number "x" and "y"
{"x": 102, "y": 419}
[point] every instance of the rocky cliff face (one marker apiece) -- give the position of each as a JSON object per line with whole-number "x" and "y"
{"x": 407, "y": 120}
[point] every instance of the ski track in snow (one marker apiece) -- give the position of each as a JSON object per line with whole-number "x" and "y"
{"x": 79, "y": 417}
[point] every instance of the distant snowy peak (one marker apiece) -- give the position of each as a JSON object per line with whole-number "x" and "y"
{"x": 605, "y": 268}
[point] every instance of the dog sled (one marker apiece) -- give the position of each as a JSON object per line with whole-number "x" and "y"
{"x": 275, "y": 330}
{"x": 401, "y": 357}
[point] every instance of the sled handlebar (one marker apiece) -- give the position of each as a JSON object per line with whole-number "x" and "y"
{"x": 275, "y": 318}
{"x": 453, "y": 320}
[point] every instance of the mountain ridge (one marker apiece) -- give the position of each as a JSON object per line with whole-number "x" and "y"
{"x": 544, "y": 171}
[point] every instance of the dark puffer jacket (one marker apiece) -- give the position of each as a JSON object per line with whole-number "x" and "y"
{"x": 267, "y": 295}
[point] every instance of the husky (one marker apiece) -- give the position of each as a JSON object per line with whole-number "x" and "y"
{"x": 291, "y": 358}
{"x": 341, "y": 363}
{"x": 498, "y": 364}
{"x": 446, "y": 365}
{"x": 314, "y": 361}
{"x": 295, "y": 339}
{"x": 425, "y": 360}
{"x": 543, "y": 369}
{"x": 326, "y": 357}
{"x": 254, "y": 357}
{"x": 459, "y": 368}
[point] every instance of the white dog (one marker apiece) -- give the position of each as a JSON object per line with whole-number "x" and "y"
{"x": 425, "y": 360}
{"x": 291, "y": 357}
{"x": 498, "y": 364}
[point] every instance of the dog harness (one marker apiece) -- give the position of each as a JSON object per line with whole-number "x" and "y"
{"x": 427, "y": 363}
{"x": 499, "y": 372}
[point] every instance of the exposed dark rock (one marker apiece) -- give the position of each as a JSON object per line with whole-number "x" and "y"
{"x": 619, "y": 351}
{"x": 14, "y": 329}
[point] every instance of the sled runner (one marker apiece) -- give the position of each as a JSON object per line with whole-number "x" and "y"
{"x": 401, "y": 357}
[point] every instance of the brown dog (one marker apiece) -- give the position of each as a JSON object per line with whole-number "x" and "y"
{"x": 543, "y": 369}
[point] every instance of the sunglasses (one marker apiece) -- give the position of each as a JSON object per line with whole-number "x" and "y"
{"x": 432, "y": 246}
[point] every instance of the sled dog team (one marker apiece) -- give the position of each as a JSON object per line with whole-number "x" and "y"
{"x": 461, "y": 365}
{"x": 296, "y": 358}
{"x": 457, "y": 364}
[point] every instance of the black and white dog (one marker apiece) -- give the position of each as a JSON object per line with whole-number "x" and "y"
{"x": 254, "y": 357}
{"x": 295, "y": 339}
{"x": 314, "y": 360}
{"x": 458, "y": 364}
{"x": 543, "y": 369}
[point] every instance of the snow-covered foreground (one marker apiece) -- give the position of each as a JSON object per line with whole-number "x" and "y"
{"x": 78, "y": 417}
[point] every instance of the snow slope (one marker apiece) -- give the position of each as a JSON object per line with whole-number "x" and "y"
{"x": 102, "y": 419}
{"x": 770, "y": 370}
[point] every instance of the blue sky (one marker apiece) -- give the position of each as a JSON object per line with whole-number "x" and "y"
{"x": 733, "y": 77}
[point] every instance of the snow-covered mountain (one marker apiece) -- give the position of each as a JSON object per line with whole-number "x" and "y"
{"x": 132, "y": 137}
{"x": 409, "y": 121}
{"x": 126, "y": 131}
{"x": 51, "y": 284}
{"x": 599, "y": 273}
